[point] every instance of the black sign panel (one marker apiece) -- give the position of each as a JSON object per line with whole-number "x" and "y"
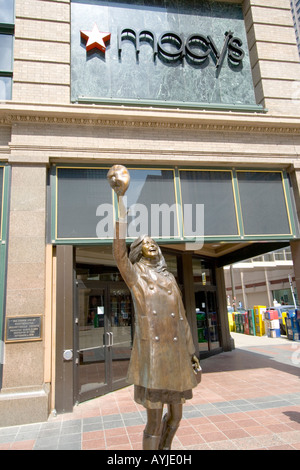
{"x": 23, "y": 329}
{"x": 179, "y": 52}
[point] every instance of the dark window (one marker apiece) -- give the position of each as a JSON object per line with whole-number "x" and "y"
{"x": 206, "y": 306}
{"x": 203, "y": 272}
{"x": 263, "y": 203}
{"x": 155, "y": 213}
{"x": 80, "y": 191}
{"x": 85, "y": 204}
{"x": 214, "y": 190}
{"x": 6, "y": 48}
{"x": 236, "y": 204}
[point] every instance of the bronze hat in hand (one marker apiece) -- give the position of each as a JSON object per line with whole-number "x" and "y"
{"x": 119, "y": 179}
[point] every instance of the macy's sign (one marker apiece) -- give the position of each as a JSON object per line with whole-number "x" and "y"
{"x": 170, "y": 46}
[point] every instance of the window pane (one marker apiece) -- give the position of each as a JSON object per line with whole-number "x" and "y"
{"x": 155, "y": 213}
{"x": 212, "y": 320}
{"x": 263, "y": 203}
{"x": 151, "y": 196}
{"x": 80, "y": 192}
{"x": 5, "y": 88}
{"x": 1, "y": 190}
{"x": 6, "y": 56}
{"x": 203, "y": 273}
{"x": 201, "y": 318}
{"x": 214, "y": 190}
{"x": 7, "y": 11}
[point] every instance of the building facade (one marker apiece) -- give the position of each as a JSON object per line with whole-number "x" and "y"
{"x": 200, "y": 101}
{"x": 265, "y": 280}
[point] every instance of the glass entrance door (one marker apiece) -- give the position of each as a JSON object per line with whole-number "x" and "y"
{"x": 103, "y": 337}
{"x": 207, "y": 319}
{"x": 120, "y": 332}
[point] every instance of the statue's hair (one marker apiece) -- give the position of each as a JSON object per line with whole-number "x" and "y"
{"x": 135, "y": 253}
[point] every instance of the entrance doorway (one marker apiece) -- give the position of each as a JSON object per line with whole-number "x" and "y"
{"x": 103, "y": 337}
{"x": 207, "y": 319}
{"x": 207, "y": 311}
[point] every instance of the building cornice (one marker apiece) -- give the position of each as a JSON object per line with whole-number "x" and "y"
{"x": 132, "y": 117}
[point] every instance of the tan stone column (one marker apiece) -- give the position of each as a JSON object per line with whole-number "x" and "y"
{"x": 23, "y": 371}
{"x": 227, "y": 342}
{"x": 189, "y": 296}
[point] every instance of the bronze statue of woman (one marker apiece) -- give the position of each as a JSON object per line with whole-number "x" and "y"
{"x": 163, "y": 362}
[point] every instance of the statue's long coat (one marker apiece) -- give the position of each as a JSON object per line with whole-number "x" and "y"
{"x": 163, "y": 345}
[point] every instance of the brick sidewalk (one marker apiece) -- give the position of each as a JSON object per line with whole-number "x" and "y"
{"x": 249, "y": 398}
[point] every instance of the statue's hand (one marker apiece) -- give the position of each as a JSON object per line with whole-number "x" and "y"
{"x": 196, "y": 364}
{"x": 119, "y": 179}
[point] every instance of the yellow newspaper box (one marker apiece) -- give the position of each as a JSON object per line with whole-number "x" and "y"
{"x": 259, "y": 316}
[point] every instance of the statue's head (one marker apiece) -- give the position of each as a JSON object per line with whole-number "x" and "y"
{"x": 119, "y": 179}
{"x": 146, "y": 247}
{"x": 150, "y": 249}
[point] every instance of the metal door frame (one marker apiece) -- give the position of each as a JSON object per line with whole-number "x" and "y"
{"x": 109, "y": 385}
{"x": 213, "y": 290}
{"x": 205, "y": 290}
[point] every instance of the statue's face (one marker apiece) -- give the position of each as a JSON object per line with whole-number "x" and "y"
{"x": 119, "y": 179}
{"x": 149, "y": 248}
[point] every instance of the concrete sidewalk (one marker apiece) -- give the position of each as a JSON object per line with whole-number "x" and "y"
{"x": 249, "y": 398}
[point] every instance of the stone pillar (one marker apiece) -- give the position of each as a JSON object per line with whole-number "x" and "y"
{"x": 270, "y": 296}
{"x": 24, "y": 395}
{"x": 189, "y": 295}
{"x": 227, "y": 341}
{"x": 245, "y": 300}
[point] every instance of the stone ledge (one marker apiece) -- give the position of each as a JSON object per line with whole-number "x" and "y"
{"x": 135, "y": 117}
{"x": 24, "y": 407}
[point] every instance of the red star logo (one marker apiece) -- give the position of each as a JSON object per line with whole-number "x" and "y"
{"x": 95, "y": 39}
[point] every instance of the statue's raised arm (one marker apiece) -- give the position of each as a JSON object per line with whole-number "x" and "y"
{"x": 119, "y": 179}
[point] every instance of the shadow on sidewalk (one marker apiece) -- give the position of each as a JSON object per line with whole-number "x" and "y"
{"x": 293, "y": 415}
{"x": 240, "y": 359}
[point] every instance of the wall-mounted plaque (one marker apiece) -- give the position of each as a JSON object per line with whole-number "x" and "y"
{"x": 23, "y": 328}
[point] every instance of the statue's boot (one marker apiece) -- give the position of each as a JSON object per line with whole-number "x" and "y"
{"x": 167, "y": 434}
{"x": 150, "y": 442}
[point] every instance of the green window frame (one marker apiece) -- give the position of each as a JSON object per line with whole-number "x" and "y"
{"x": 260, "y": 188}
{"x": 214, "y": 188}
{"x": 7, "y": 32}
{"x": 231, "y": 187}
{"x": 149, "y": 186}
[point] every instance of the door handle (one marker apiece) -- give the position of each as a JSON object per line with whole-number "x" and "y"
{"x": 110, "y": 340}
